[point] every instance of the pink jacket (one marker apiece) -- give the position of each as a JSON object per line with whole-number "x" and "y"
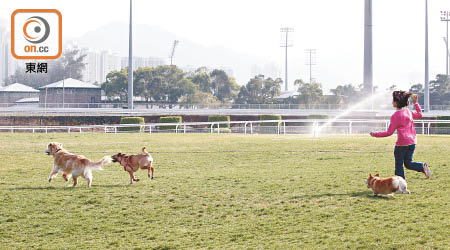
{"x": 402, "y": 121}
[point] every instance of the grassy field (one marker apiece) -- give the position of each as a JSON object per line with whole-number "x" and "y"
{"x": 223, "y": 191}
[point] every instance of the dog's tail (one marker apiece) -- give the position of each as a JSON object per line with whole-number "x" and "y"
{"x": 98, "y": 165}
{"x": 144, "y": 151}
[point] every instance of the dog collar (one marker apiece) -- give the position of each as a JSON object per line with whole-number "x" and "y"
{"x": 58, "y": 150}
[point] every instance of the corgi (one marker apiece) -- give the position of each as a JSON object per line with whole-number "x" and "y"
{"x": 387, "y": 185}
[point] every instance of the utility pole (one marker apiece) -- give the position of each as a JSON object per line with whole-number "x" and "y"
{"x": 427, "y": 89}
{"x": 368, "y": 65}
{"x": 175, "y": 43}
{"x": 445, "y": 18}
{"x": 310, "y": 61}
{"x": 130, "y": 61}
{"x": 285, "y": 44}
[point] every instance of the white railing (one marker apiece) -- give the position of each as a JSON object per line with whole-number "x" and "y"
{"x": 294, "y": 126}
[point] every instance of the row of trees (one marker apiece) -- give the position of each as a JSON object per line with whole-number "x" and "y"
{"x": 170, "y": 85}
{"x": 439, "y": 90}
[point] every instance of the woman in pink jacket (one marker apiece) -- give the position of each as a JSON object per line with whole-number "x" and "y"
{"x": 402, "y": 121}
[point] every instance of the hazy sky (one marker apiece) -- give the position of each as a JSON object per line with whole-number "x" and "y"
{"x": 333, "y": 28}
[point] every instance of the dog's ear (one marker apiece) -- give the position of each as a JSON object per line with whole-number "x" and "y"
{"x": 119, "y": 154}
{"x": 377, "y": 174}
{"x": 370, "y": 175}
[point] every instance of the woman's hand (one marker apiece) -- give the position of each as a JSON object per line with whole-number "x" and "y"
{"x": 415, "y": 98}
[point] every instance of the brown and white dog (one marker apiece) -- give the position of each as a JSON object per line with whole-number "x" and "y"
{"x": 387, "y": 185}
{"x": 132, "y": 163}
{"x": 72, "y": 165}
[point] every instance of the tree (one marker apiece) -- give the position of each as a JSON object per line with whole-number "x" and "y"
{"x": 259, "y": 90}
{"x": 198, "y": 97}
{"x": 271, "y": 89}
{"x": 347, "y": 93}
{"x": 223, "y": 87}
{"x": 142, "y": 80}
{"x": 440, "y": 90}
{"x": 203, "y": 80}
{"x": 116, "y": 85}
{"x": 309, "y": 93}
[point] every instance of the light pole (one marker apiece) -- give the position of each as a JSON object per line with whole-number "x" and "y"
{"x": 368, "y": 65}
{"x": 310, "y": 61}
{"x": 445, "y": 18}
{"x": 63, "y": 91}
{"x": 286, "y": 44}
{"x": 427, "y": 90}
{"x": 448, "y": 51}
{"x": 130, "y": 61}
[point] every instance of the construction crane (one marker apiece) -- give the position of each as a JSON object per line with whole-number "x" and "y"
{"x": 175, "y": 43}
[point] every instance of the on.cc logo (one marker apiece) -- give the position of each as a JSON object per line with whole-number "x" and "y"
{"x": 36, "y": 34}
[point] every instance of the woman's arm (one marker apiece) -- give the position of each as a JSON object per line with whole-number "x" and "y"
{"x": 418, "y": 113}
{"x": 392, "y": 127}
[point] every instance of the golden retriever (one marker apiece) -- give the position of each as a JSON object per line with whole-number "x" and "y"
{"x": 72, "y": 165}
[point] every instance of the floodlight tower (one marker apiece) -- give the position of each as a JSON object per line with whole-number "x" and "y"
{"x": 130, "y": 61}
{"x": 426, "y": 98}
{"x": 286, "y": 43}
{"x": 445, "y": 18}
{"x": 310, "y": 61}
{"x": 368, "y": 65}
{"x": 175, "y": 43}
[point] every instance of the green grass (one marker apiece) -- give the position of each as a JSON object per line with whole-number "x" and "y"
{"x": 223, "y": 191}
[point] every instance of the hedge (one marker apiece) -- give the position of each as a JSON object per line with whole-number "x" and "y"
{"x": 443, "y": 125}
{"x": 269, "y": 118}
{"x": 220, "y": 118}
{"x": 319, "y": 117}
{"x": 131, "y": 120}
{"x": 169, "y": 119}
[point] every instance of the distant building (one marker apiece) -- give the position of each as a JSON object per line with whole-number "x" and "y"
{"x": 17, "y": 91}
{"x": 98, "y": 65}
{"x": 75, "y": 91}
{"x": 271, "y": 70}
{"x": 108, "y": 62}
{"x": 91, "y": 72}
{"x": 139, "y": 62}
{"x": 8, "y": 64}
{"x": 3, "y": 56}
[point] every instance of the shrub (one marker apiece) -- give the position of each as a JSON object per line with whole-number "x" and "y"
{"x": 269, "y": 118}
{"x": 443, "y": 127}
{"x": 220, "y": 118}
{"x": 131, "y": 120}
{"x": 169, "y": 119}
{"x": 319, "y": 117}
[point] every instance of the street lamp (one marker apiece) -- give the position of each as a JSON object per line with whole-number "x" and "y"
{"x": 426, "y": 98}
{"x": 448, "y": 51}
{"x": 286, "y": 43}
{"x": 445, "y": 18}
{"x": 130, "y": 60}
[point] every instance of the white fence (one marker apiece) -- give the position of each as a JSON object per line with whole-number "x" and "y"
{"x": 294, "y": 126}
